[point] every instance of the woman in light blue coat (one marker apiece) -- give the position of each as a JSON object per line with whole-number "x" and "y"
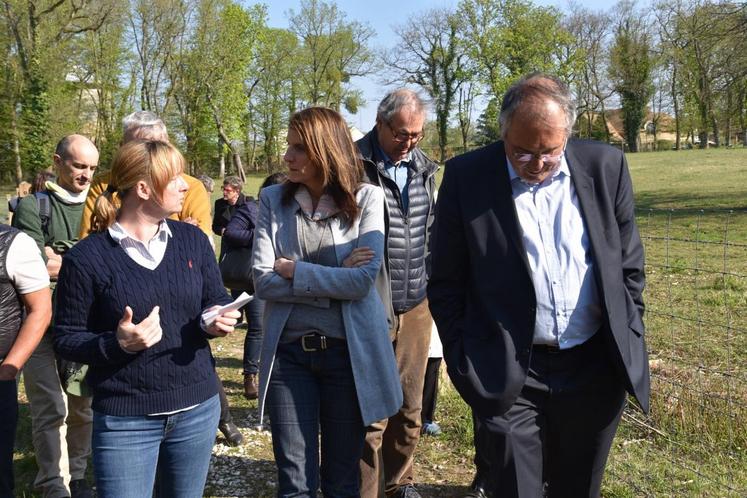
{"x": 327, "y": 367}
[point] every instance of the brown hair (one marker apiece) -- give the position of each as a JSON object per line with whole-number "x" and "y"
{"x": 155, "y": 163}
{"x": 330, "y": 148}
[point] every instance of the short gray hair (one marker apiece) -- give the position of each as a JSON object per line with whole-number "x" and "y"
{"x": 208, "y": 182}
{"x": 537, "y": 87}
{"x": 396, "y": 100}
{"x": 233, "y": 181}
{"x": 144, "y": 125}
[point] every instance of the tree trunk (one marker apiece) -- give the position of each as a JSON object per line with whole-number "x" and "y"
{"x": 727, "y": 125}
{"x": 703, "y": 136}
{"x": 675, "y": 102}
{"x": 714, "y": 126}
{"x": 235, "y": 155}
{"x": 604, "y": 122}
{"x": 221, "y": 159}
{"x": 236, "y": 160}
{"x": 16, "y": 143}
{"x": 441, "y": 117}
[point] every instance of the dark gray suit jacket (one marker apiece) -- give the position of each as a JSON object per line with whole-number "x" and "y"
{"x": 480, "y": 290}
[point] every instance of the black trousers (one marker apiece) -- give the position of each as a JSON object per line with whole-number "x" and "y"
{"x": 430, "y": 390}
{"x": 555, "y": 439}
{"x": 485, "y": 448}
{"x": 8, "y": 423}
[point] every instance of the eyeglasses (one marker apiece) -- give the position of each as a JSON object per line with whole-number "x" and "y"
{"x": 400, "y": 137}
{"x": 547, "y": 159}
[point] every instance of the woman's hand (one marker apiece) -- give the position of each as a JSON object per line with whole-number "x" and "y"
{"x": 358, "y": 257}
{"x": 133, "y": 338}
{"x": 223, "y": 324}
{"x": 284, "y": 267}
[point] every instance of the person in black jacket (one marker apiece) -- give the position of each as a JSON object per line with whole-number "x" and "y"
{"x": 225, "y": 207}
{"x": 393, "y": 161}
{"x": 537, "y": 291}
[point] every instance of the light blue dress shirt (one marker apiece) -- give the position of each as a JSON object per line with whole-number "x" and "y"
{"x": 400, "y": 174}
{"x": 557, "y": 246}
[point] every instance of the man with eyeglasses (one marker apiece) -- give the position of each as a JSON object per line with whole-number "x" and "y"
{"x": 536, "y": 283}
{"x": 393, "y": 161}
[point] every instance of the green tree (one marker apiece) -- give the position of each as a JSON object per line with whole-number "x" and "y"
{"x": 488, "y": 130}
{"x": 105, "y": 86}
{"x": 333, "y": 51}
{"x": 590, "y": 30}
{"x": 510, "y": 38}
{"x": 40, "y": 32}
{"x": 631, "y": 66}
{"x": 274, "y": 93}
{"x": 208, "y": 77}
{"x": 431, "y": 55}
{"x": 157, "y": 30}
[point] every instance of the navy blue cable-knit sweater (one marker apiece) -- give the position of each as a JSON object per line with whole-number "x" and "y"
{"x": 98, "y": 279}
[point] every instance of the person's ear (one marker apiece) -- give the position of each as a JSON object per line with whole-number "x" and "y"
{"x": 143, "y": 190}
{"x": 57, "y": 160}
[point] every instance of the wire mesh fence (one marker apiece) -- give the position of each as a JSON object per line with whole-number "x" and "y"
{"x": 694, "y": 441}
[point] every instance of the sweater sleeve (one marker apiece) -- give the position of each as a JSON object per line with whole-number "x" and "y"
{"x": 197, "y": 205}
{"x": 74, "y": 336}
{"x": 26, "y": 218}
{"x": 314, "y": 280}
{"x": 216, "y": 213}
{"x": 97, "y": 188}
{"x": 240, "y": 230}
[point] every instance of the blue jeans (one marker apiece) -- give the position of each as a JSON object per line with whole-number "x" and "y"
{"x": 309, "y": 391}
{"x": 127, "y": 451}
{"x": 8, "y": 423}
{"x": 253, "y": 312}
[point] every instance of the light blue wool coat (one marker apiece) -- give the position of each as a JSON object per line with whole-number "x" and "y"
{"x": 371, "y": 355}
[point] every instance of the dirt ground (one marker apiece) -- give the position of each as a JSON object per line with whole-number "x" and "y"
{"x": 443, "y": 468}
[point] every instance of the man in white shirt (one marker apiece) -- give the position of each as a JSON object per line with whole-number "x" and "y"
{"x": 24, "y": 285}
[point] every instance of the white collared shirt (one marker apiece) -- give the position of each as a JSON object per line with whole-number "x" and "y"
{"x": 559, "y": 255}
{"x": 148, "y": 255}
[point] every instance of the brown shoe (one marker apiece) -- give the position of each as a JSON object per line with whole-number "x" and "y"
{"x": 251, "y": 387}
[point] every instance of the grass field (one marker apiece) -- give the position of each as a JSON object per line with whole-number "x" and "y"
{"x": 692, "y": 212}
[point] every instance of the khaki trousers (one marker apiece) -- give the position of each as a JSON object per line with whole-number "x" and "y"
{"x": 60, "y": 424}
{"x": 388, "y": 454}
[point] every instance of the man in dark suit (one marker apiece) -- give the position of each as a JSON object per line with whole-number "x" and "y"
{"x": 537, "y": 275}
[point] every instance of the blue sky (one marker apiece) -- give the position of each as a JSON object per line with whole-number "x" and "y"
{"x": 381, "y": 15}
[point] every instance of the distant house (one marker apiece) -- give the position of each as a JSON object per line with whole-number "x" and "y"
{"x": 655, "y": 127}
{"x": 87, "y": 103}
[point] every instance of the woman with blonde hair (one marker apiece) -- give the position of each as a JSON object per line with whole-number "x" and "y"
{"x": 327, "y": 364}
{"x": 130, "y": 298}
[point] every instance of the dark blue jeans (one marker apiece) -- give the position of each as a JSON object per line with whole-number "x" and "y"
{"x": 309, "y": 392}
{"x": 253, "y": 312}
{"x": 8, "y": 423}
{"x": 128, "y": 450}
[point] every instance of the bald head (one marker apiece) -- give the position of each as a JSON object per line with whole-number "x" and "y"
{"x": 534, "y": 96}
{"x": 75, "y": 159}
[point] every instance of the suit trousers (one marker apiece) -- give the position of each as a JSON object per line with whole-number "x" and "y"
{"x": 61, "y": 424}
{"x": 388, "y": 455}
{"x": 484, "y": 451}
{"x": 430, "y": 390}
{"x": 556, "y": 437}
